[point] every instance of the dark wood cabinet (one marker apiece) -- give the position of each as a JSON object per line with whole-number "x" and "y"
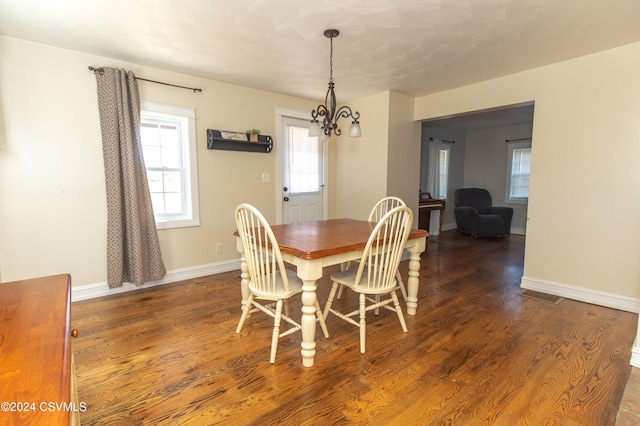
{"x": 36, "y": 366}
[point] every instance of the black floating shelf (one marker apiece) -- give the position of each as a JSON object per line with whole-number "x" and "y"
{"x": 216, "y": 141}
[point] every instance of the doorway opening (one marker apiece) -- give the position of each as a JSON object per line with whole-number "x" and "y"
{"x": 478, "y": 156}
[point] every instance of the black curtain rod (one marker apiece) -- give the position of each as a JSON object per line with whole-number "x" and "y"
{"x": 101, "y": 71}
{"x": 515, "y": 140}
{"x": 443, "y": 140}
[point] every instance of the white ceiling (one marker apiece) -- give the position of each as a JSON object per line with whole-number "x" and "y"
{"x": 414, "y": 47}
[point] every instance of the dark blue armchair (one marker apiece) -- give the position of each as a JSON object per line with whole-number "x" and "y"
{"x": 477, "y": 217}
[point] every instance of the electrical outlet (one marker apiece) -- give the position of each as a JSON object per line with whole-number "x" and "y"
{"x": 218, "y": 248}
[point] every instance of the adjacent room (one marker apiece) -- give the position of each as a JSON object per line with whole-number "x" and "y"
{"x": 502, "y": 138}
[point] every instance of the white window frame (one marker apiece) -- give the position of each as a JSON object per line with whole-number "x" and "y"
{"x": 513, "y": 146}
{"x": 187, "y": 118}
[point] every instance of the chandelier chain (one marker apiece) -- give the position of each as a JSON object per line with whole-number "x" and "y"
{"x": 331, "y": 61}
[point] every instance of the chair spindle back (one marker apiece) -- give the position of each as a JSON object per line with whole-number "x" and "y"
{"x": 383, "y": 251}
{"x": 383, "y": 206}
{"x": 261, "y": 250}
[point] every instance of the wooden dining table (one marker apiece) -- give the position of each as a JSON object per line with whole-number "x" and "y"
{"x": 311, "y": 246}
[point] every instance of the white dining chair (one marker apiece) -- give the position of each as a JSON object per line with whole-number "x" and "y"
{"x": 376, "y": 272}
{"x": 378, "y": 211}
{"x": 269, "y": 280}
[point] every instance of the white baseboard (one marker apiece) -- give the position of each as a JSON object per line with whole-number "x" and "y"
{"x": 449, "y": 226}
{"x": 91, "y": 291}
{"x": 581, "y": 294}
{"x": 635, "y": 353}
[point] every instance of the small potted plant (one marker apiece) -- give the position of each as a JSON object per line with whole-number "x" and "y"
{"x": 253, "y": 134}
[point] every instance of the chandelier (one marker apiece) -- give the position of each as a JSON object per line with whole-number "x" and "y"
{"x": 328, "y": 110}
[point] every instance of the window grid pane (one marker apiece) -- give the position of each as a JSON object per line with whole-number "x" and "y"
{"x": 162, "y": 151}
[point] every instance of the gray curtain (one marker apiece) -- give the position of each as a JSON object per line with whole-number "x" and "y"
{"x": 133, "y": 250}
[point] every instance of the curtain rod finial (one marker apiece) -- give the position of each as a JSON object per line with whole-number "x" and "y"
{"x": 96, "y": 70}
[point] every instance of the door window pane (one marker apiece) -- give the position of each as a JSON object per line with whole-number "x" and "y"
{"x": 304, "y": 151}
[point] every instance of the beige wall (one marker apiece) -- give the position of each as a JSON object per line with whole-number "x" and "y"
{"x": 52, "y": 196}
{"x": 403, "y": 165}
{"x": 583, "y": 230}
{"x": 384, "y": 161}
{"x": 360, "y": 164}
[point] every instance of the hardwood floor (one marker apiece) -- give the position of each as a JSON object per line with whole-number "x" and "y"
{"x": 629, "y": 412}
{"x": 477, "y": 353}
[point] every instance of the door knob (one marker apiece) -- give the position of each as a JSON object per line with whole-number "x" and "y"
{"x": 285, "y": 189}
{"x": 286, "y": 198}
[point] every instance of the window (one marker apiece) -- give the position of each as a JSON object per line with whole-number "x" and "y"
{"x": 304, "y": 161}
{"x": 168, "y": 138}
{"x": 519, "y": 171}
{"x": 438, "y": 168}
{"x": 443, "y": 172}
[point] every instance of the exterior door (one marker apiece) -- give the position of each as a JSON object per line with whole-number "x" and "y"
{"x": 303, "y": 177}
